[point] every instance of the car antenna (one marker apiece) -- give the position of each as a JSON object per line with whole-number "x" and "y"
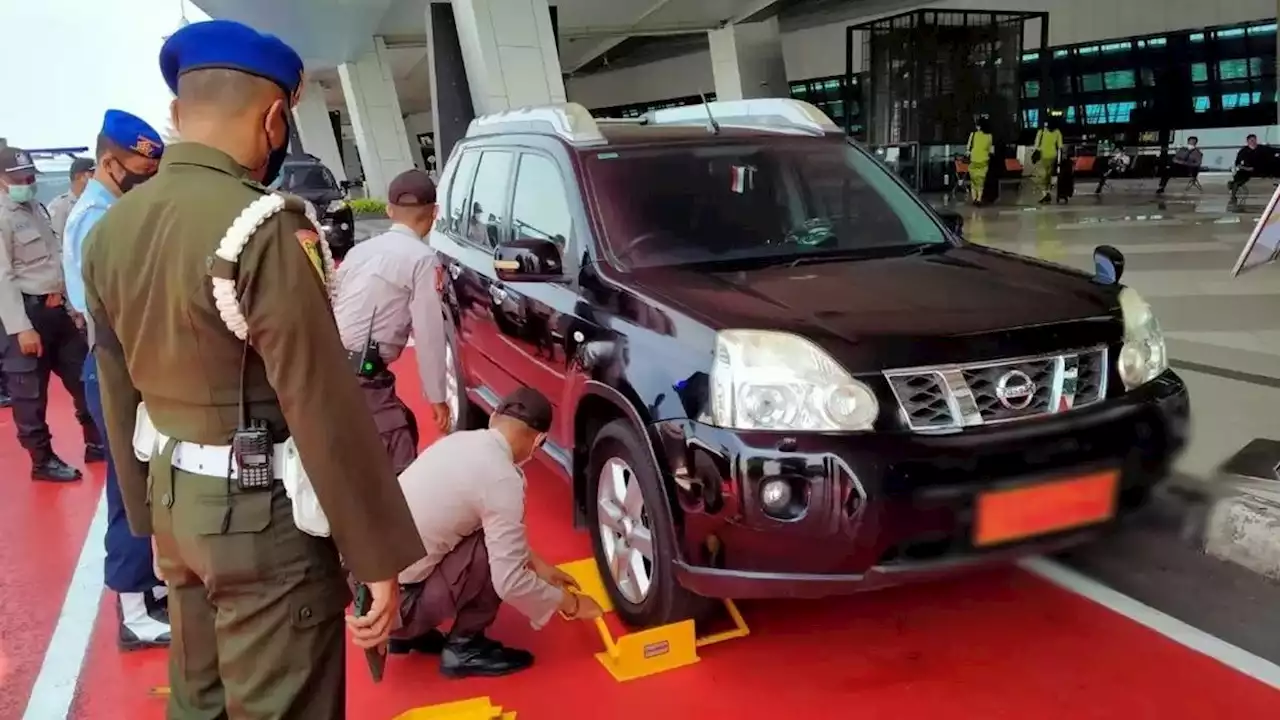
{"x": 712, "y": 126}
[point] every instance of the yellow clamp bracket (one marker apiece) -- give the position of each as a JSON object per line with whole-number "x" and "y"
{"x": 651, "y": 651}
{"x": 480, "y": 708}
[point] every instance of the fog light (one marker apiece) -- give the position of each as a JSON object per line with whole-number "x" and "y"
{"x": 775, "y": 495}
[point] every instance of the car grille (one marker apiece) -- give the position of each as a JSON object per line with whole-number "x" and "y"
{"x": 957, "y": 396}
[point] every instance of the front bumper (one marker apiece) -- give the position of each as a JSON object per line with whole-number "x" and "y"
{"x": 882, "y": 509}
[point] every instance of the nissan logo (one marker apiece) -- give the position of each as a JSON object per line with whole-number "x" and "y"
{"x": 1015, "y": 390}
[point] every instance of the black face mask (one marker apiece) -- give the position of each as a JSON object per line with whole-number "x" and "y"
{"x": 275, "y": 161}
{"x": 130, "y": 180}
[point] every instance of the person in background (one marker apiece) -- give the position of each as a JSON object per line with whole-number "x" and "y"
{"x": 1186, "y": 163}
{"x": 979, "y": 150}
{"x": 1248, "y": 160}
{"x": 128, "y": 152}
{"x": 1045, "y": 156}
{"x": 386, "y": 290}
{"x": 81, "y": 171}
{"x": 43, "y": 336}
{"x": 182, "y": 336}
{"x": 466, "y": 493}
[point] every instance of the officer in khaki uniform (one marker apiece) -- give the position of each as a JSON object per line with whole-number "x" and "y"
{"x": 60, "y": 209}
{"x": 256, "y": 603}
{"x": 43, "y": 338}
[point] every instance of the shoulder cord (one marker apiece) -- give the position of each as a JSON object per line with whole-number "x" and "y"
{"x": 233, "y": 243}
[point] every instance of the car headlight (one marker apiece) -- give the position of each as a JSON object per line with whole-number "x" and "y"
{"x": 335, "y": 206}
{"x": 764, "y": 380}
{"x": 1143, "y": 357}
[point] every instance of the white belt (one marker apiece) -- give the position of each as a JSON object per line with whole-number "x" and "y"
{"x": 211, "y": 460}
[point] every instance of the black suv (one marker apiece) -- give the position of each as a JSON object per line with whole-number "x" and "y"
{"x": 308, "y": 178}
{"x": 776, "y": 371}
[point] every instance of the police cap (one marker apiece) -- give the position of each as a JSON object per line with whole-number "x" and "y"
{"x": 132, "y": 133}
{"x": 230, "y": 45}
{"x": 82, "y": 165}
{"x": 412, "y": 188}
{"x": 528, "y": 406}
{"x": 16, "y": 162}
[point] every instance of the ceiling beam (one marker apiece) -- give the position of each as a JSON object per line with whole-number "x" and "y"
{"x": 755, "y": 10}
{"x": 606, "y": 45}
{"x": 585, "y": 33}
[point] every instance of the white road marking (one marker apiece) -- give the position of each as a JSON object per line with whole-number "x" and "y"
{"x": 55, "y": 686}
{"x": 1242, "y": 661}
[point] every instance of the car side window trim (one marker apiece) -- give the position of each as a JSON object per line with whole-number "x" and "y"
{"x": 504, "y": 222}
{"x": 469, "y": 187}
{"x": 568, "y": 252}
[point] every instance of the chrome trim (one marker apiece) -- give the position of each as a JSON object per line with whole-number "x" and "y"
{"x": 963, "y": 407}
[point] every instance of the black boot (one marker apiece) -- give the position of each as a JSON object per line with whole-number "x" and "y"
{"x": 479, "y": 656}
{"x": 138, "y": 629}
{"x": 95, "y": 452}
{"x": 429, "y": 643}
{"x": 48, "y": 467}
{"x": 158, "y": 606}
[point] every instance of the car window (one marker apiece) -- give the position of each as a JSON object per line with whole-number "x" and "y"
{"x": 460, "y": 190}
{"x": 540, "y": 208}
{"x": 306, "y": 176}
{"x": 488, "y": 199}
{"x": 776, "y": 201}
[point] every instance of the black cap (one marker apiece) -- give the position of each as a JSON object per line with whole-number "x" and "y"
{"x": 82, "y": 165}
{"x": 412, "y": 188}
{"x": 528, "y": 406}
{"x": 16, "y": 160}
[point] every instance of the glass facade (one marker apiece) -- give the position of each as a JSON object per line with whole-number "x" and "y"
{"x": 638, "y": 109}
{"x": 827, "y": 94}
{"x": 1216, "y": 77}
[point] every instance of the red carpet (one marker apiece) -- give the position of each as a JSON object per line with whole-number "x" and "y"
{"x": 999, "y": 645}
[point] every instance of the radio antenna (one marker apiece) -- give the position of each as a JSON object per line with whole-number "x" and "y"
{"x": 712, "y": 126}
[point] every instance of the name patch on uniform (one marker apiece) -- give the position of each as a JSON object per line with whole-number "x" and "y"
{"x": 310, "y": 243}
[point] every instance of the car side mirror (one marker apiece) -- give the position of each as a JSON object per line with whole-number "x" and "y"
{"x": 528, "y": 260}
{"x": 953, "y": 220}
{"x": 1108, "y": 265}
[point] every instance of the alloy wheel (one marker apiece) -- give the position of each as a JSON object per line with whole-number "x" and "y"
{"x": 624, "y": 530}
{"x": 452, "y": 396}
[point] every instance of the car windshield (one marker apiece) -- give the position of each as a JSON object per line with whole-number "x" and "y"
{"x": 777, "y": 201}
{"x": 306, "y": 176}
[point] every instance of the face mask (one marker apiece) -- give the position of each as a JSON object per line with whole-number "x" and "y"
{"x": 275, "y": 161}
{"x": 130, "y": 180}
{"x": 22, "y": 193}
{"x": 537, "y": 443}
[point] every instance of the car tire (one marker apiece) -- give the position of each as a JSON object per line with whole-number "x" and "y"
{"x": 467, "y": 415}
{"x": 665, "y": 600}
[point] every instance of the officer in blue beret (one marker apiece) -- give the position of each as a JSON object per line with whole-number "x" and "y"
{"x": 128, "y": 153}
{"x": 224, "y": 381}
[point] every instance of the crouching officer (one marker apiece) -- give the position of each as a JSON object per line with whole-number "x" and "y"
{"x": 128, "y": 152}
{"x": 43, "y": 338}
{"x": 466, "y": 493}
{"x": 208, "y": 298}
{"x": 386, "y": 288}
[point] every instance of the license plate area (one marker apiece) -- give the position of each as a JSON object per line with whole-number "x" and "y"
{"x": 1004, "y": 516}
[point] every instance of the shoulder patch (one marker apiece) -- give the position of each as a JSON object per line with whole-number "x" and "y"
{"x": 310, "y": 243}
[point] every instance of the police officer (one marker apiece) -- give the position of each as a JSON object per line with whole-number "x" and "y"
{"x": 209, "y": 305}
{"x": 43, "y": 338}
{"x": 386, "y": 288}
{"x": 128, "y": 152}
{"x": 81, "y": 172}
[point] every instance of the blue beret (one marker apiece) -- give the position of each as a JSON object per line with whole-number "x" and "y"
{"x": 231, "y": 46}
{"x": 132, "y": 133}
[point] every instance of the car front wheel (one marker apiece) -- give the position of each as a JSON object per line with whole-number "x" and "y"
{"x": 463, "y": 414}
{"x": 630, "y": 525}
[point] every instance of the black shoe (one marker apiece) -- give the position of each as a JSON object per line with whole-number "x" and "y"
{"x": 95, "y": 452}
{"x": 429, "y": 643}
{"x": 480, "y": 656}
{"x": 5, "y": 400}
{"x": 52, "y": 469}
{"x": 138, "y": 629}
{"x": 158, "y": 608}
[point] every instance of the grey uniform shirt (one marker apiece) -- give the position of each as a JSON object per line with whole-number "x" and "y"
{"x": 30, "y": 260}
{"x": 466, "y": 482}
{"x": 394, "y": 274}
{"x": 59, "y": 211}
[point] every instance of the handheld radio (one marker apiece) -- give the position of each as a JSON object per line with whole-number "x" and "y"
{"x": 367, "y": 362}
{"x": 251, "y": 445}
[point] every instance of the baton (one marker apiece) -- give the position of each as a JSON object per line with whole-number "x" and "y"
{"x": 377, "y": 661}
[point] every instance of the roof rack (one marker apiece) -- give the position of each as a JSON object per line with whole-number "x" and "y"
{"x": 573, "y": 122}
{"x": 770, "y": 114}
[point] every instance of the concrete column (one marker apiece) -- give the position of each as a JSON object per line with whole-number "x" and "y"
{"x": 311, "y": 118}
{"x": 376, "y": 119}
{"x": 746, "y": 61}
{"x": 509, "y": 50}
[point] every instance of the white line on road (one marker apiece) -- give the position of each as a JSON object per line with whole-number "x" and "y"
{"x": 55, "y": 686}
{"x": 1260, "y": 669}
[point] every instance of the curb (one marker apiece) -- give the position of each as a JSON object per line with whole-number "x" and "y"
{"x": 1245, "y": 530}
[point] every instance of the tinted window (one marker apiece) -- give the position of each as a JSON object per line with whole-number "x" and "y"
{"x": 540, "y": 208}
{"x": 460, "y": 190}
{"x": 733, "y": 202}
{"x": 488, "y": 199}
{"x": 303, "y": 177}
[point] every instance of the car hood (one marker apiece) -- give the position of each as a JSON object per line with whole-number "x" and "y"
{"x": 959, "y": 305}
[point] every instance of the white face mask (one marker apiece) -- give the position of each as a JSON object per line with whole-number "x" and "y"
{"x": 537, "y": 443}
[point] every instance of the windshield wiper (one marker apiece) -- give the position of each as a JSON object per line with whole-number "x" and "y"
{"x": 865, "y": 253}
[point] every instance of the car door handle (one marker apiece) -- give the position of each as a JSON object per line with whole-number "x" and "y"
{"x": 498, "y": 294}
{"x": 455, "y": 271}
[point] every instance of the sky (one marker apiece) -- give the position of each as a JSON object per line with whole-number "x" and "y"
{"x": 71, "y": 60}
